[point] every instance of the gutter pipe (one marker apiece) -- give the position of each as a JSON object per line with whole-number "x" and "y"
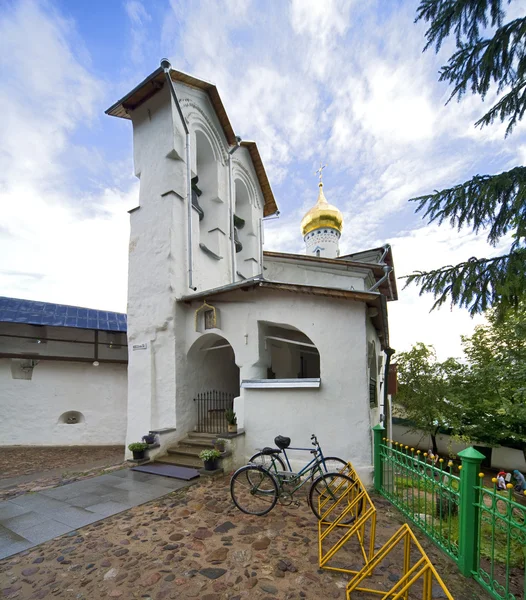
{"x": 231, "y": 209}
{"x": 166, "y": 66}
{"x": 387, "y": 270}
{"x": 387, "y": 247}
{"x": 388, "y": 353}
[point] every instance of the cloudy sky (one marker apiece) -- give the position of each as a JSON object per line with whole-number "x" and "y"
{"x": 344, "y": 82}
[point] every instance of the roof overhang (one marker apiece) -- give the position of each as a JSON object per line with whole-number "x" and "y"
{"x": 156, "y": 81}
{"x": 377, "y": 269}
{"x": 371, "y": 299}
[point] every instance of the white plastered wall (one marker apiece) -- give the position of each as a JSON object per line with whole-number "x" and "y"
{"x": 338, "y": 412}
{"x": 31, "y": 409}
{"x": 160, "y": 393}
{"x": 321, "y": 275}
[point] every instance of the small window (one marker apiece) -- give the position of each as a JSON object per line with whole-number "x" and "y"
{"x": 373, "y": 393}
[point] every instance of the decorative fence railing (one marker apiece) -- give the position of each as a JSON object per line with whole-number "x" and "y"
{"x": 211, "y": 407}
{"x": 483, "y": 530}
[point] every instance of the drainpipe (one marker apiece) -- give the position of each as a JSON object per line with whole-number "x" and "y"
{"x": 232, "y": 208}
{"x": 386, "y": 270}
{"x": 388, "y": 353}
{"x": 166, "y": 66}
{"x": 387, "y": 247}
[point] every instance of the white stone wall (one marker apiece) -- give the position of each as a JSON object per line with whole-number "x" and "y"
{"x": 336, "y": 276}
{"x": 158, "y": 256}
{"x": 338, "y": 412}
{"x": 30, "y": 409}
{"x": 501, "y": 457}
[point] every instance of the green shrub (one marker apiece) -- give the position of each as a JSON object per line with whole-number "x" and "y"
{"x": 137, "y": 447}
{"x": 209, "y": 455}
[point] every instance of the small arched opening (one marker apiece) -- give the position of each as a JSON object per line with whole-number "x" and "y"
{"x": 214, "y": 381}
{"x": 71, "y": 417}
{"x": 288, "y": 352}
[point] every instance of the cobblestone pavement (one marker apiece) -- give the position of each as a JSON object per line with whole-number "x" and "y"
{"x": 194, "y": 543}
{"x": 24, "y": 460}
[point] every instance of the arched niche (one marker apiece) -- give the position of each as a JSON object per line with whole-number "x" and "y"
{"x": 245, "y": 232}
{"x": 206, "y": 200}
{"x": 71, "y": 417}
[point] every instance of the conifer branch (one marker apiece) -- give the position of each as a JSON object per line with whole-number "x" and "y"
{"x": 477, "y": 284}
{"x": 496, "y": 202}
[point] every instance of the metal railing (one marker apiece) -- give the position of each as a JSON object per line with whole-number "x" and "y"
{"x": 481, "y": 529}
{"x": 502, "y": 543}
{"x": 427, "y": 494}
{"x": 211, "y": 408}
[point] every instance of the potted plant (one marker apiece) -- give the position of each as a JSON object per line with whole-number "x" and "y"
{"x": 138, "y": 449}
{"x": 209, "y": 457}
{"x": 220, "y": 444}
{"x": 149, "y": 439}
{"x": 231, "y": 418}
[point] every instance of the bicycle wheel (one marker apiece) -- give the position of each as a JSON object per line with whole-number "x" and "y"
{"x": 333, "y": 464}
{"x": 254, "y": 490}
{"x": 326, "y": 493}
{"x": 271, "y": 462}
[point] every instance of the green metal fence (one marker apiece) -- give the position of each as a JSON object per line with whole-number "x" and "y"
{"x": 502, "y": 543}
{"x": 481, "y": 529}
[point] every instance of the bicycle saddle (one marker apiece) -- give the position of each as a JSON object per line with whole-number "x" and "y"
{"x": 269, "y": 451}
{"x": 282, "y": 442}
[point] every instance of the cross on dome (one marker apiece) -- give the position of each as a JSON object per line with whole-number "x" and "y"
{"x": 319, "y": 172}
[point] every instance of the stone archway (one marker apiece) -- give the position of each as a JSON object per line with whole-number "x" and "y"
{"x": 213, "y": 377}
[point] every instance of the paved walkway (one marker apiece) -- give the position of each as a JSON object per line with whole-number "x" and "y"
{"x": 31, "y": 519}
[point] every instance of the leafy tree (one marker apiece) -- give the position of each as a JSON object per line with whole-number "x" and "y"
{"x": 496, "y": 380}
{"x": 490, "y": 56}
{"x": 483, "y": 398}
{"x": 425, "y": 390}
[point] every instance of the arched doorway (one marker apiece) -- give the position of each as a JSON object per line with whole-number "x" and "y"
{"x": 213, "y": 381}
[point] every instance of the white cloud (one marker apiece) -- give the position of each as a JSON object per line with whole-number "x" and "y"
{"x": 56, "y": 243}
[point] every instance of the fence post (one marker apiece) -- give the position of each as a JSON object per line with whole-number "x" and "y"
{"x": 378, "y": 431}
{"x": 468, "y": 531}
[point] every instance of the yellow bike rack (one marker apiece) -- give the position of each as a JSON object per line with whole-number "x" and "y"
{"x": 363, "y": 528}
{"x": 418, "y": 571}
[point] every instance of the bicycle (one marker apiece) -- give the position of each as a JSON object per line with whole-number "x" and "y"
{"x": 255, "y": 489}
{"x": 269, "y": 458}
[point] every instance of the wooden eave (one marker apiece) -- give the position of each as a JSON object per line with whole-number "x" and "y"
{"x": 371, "y": 299}
{"x": 156, "y": 81}
{"x": 375, "y": 268}
{"x": 270, "y": 208}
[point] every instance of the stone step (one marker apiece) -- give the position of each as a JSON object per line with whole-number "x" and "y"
{"x": 200, "y": 435}
{"x": 181, "y": 460}
{"x": 198, "y": 442}
{"x": 185, "y": 450}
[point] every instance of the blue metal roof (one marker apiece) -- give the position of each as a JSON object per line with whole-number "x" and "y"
{"x": 14, "y": 310}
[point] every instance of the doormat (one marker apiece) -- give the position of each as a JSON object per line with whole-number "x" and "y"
{"x": 168, "y": 471}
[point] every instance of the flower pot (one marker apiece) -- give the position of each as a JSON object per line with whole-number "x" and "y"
{"x": 148, "y": 439}
{"x": 210, "y": 465}
{"x": 138, "y": 454}
{"x": 220, "y": 447}
{"x": 232, "y": 428}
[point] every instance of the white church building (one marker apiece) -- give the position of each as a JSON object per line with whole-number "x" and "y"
{"x": 299, "y": 343}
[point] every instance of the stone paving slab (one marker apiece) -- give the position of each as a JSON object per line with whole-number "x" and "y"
{"x": 34, "y": 518}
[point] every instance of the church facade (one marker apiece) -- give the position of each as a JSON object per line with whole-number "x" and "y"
{"x": 299, "y": 342}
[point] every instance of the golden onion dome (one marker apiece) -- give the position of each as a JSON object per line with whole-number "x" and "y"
{"x": 322, "y": 214}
